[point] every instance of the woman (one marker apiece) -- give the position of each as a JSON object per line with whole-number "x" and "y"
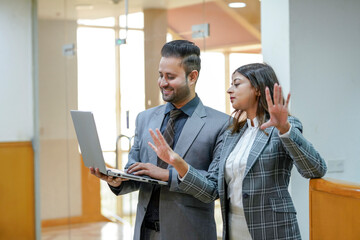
{"x": 251, "y": 174}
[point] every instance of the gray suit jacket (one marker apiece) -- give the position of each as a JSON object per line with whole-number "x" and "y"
{"x": 268, "y": 207}
{"x": 182, "y": 216}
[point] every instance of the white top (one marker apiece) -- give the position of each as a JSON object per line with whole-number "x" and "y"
{"x": 234, "y": 175}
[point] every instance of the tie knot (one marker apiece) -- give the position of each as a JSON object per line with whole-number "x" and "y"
{"x": 175, "y": 113}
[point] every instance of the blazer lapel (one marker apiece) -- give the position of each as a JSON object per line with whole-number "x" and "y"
{"x": 154, "y": 123}
{"x": 230, "y": 142}
{"x": 260, "y": 142}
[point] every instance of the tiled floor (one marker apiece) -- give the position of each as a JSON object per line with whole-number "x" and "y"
{"x": 89, "y": 231}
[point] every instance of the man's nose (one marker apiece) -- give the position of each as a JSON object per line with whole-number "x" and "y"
{"x": 163, "y": 82}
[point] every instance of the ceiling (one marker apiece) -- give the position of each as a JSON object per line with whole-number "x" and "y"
{"x": 231, "y": 30}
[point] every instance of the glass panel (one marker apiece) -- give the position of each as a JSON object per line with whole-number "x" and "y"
{"x": 132, "y": 102}
{"x": 60, "y": 162}
{"x": 96, "y": 83}
{"x": 134, "y": 20}
{"x": 96, "y": 92}
{"x": 132, "y": 81}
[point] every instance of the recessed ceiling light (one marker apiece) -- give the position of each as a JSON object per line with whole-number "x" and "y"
{"x": 237, "y": 5}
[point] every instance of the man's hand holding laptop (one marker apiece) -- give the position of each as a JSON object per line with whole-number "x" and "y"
{"x": 112, "y": 181}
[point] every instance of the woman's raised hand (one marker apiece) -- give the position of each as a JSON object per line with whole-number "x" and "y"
{"x": 278, "y": 110}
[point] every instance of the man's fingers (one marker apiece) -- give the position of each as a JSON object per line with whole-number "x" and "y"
{"x": 137, "y": 167}
{"x": 98, "y": 173}
{"x": 161, "y": 138}
{"x": 152, "y": 146}
{"x": 141, "y": 172}
{"x": 154, "y": 137}
{"x": 132, "y": 166}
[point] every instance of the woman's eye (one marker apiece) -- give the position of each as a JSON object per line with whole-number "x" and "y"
{"x": 236, "y": 84}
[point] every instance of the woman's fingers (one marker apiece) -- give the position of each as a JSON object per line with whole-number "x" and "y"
{"x": 265, "y": 125}
{"x": 279, "y": 95}
{"x": 275, "y": 94}
{"x": 287, "y": 101}
{"x": 268, "y": 97}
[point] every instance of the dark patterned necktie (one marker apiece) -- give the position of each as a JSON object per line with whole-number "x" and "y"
{"x": 169, "y": 133}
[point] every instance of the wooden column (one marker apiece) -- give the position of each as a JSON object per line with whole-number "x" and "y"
{"x": 155, "y": 29}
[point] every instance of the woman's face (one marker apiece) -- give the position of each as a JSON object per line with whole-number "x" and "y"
{"x": 243, "y": 95}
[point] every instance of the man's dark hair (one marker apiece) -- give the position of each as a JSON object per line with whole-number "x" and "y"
{"x": 187, "y": 51}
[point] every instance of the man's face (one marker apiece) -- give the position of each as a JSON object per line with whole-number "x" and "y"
{"x": 172, "y": 82}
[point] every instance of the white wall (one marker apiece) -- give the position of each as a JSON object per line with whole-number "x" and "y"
{"x": 16, "y": 98}
{"x": 323, "y": 51}
{"x": 275, "y": 38}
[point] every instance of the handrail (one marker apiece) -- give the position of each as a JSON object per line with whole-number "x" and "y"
{"x": 116, "y": 147}
{"x": 335, "y": 186}
{"x": 334, "y": 209}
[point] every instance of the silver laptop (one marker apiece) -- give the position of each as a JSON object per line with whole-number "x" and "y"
{"x": 92, "y": 155}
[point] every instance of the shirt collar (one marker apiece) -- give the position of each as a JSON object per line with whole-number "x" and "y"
{"x": 255, "y": 121}
{"x": 188, "y": 109}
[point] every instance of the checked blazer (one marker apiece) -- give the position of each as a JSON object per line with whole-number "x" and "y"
{"x": 268, "y": 207}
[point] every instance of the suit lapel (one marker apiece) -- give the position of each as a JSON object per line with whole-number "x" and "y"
{"x": 154, "y": 123}
{"x": 260, "y": 142}
{"x": 190, "y": 130}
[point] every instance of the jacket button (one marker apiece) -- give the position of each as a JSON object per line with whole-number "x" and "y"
{"x": 245, "y": 195}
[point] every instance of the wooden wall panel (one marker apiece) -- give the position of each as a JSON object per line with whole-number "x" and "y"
{"x": 334, "y": 210}
{"x": 17, "y": 198}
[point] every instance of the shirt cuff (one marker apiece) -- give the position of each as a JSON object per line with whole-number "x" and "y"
{"x": 182, "y": 179}
{"x": 287, "y": 134}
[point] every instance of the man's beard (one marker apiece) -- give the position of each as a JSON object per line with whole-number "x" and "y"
{"x": 179, "y": 95}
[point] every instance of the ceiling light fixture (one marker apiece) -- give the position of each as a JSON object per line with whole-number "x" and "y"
{"x": 237, "y": 5}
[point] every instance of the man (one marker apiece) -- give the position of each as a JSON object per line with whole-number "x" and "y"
{"x": 164, "y": 212}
